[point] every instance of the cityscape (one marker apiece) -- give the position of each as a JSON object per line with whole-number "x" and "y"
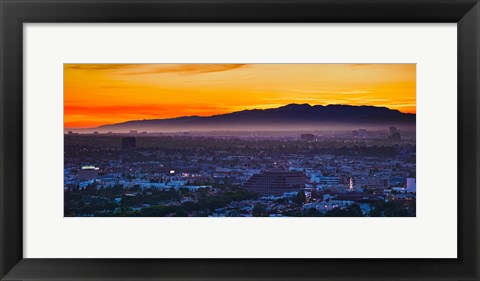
{"x": 352, "y": 156}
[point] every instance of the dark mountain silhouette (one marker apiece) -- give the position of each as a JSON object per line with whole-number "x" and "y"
{"x": 288, "y": 117}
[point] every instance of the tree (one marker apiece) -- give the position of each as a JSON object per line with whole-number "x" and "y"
{"x": 352, "y": 211}
{"x": 157, "y": 211}
{"x": 259, "y": 210}
{"x": 311, "y": 212}
{"x": 393, "y": 209}
{"x": 300, "y": 198}
{"x": 184, "y": 191}
{"x": 181, "y": 212}
{"x": 86, "y": 209}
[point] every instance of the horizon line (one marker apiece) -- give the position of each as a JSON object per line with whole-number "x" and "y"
{"x": 186, "y": 116}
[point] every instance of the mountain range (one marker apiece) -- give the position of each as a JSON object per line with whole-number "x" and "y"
{"x": 288, "y": 117}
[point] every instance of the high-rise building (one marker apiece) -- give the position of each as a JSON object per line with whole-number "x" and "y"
{"x": 411, "y": 185}
{"x": 393, "y": 130}
{"x": 276, "y": 182}
{"x": 308, "y": 137}
{"x": 129, "y": 142}
{"x": 395, "y": 137}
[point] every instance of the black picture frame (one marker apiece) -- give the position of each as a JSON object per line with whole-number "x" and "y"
{"x": 466, "y": 13}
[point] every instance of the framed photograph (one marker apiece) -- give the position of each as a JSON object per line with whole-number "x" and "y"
{"x": 156, "y": 139}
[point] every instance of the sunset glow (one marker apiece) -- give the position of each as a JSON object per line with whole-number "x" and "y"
{"x": 98, "y": 94}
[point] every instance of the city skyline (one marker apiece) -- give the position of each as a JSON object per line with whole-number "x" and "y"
{"x": 240, "y": 140}
{"x": 100, "y": 94}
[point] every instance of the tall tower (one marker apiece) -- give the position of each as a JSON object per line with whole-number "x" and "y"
{"x": 351, "y": 185}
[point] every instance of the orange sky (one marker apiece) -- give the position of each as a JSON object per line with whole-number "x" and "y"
{"x": 98, "y": 94}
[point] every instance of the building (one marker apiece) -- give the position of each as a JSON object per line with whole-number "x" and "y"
{"x": 87, "y": 173}
{"x": 395, "y": 136}
{"x": 129, "y": 142}
{"x": 412, "y": 185}
{"x": 308, "y": 137}
{"x": 326, "y": 181}
{"x": 393, "y": 130}
{"x": 276, "y": 182}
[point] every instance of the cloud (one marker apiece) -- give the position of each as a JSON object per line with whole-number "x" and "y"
{"x": 335, "y": 92}
{"x": 111, "y": 109}
{"x": 366, "y": 99}
{"x": 136, "y": 69}
{"x": 184, "y": 69}
{"x": 98, "y": 66}
{"x": 144, "y": 109}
